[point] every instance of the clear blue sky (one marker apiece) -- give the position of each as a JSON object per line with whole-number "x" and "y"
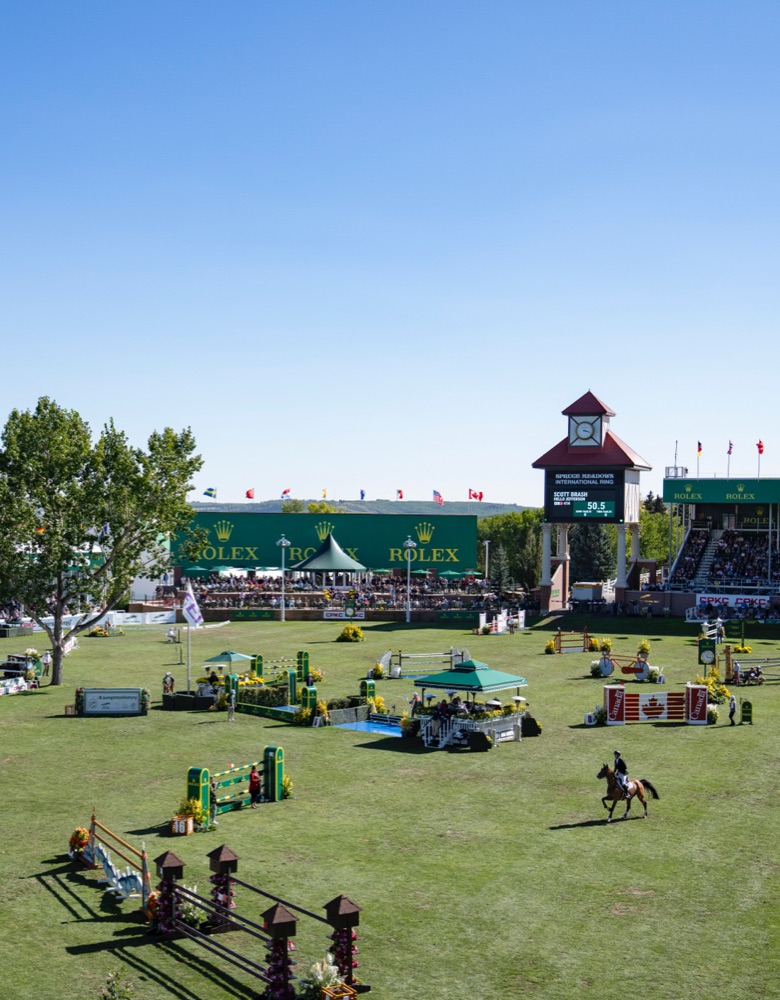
{"x": 381, "y": 245}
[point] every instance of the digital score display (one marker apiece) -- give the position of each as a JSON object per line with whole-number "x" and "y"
{"x": 587, "y": 495}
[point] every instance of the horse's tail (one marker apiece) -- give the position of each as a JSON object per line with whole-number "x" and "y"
{"x": 649, "y": 786}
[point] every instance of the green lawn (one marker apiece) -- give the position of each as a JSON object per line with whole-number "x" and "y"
{"x": 480, "y": 875}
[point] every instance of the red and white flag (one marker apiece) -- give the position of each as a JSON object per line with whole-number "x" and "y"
{"x": 399, "y": 494}
{"x": 286, "y": 493}
{"x": 475, "y": 494}
{"x": 438, "y": 497}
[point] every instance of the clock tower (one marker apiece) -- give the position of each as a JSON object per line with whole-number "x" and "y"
{"x": 591, "y": 475}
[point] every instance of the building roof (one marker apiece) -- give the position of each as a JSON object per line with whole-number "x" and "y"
{"x": 330, "y": 557}
{"x": 613, "y": 454}
{"x": 588, "y": 405}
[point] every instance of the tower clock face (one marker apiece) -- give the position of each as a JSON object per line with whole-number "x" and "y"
{"x": 585, "y": 431}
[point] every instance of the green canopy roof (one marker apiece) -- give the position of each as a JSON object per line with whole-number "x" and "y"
{"x": 229, "y": 656}
{"x": 472, "y": 676}
{"x": 330, "y": 557}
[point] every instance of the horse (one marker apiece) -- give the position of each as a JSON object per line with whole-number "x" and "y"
{"x": 615, "y": 792}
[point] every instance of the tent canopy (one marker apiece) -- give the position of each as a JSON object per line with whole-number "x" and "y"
{"x": 229, "y": 656}
{"x": 330, "y": 558}
{"x": 472, "y": 676}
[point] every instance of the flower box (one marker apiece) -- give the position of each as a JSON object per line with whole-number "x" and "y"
{"x": 182, "y": 826}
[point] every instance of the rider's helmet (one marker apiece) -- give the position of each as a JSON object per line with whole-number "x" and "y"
{"x": 617, "y": 753}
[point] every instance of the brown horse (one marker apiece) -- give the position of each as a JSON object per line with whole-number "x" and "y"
{"x": 615, "y": 792}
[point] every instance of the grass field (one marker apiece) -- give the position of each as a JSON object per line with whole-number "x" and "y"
{"x": 480, "y": 875}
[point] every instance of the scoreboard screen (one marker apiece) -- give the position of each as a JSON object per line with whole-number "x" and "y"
{"x": 588, "y": 495}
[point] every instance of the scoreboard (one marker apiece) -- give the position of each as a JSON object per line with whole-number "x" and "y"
{"x": 587, "y": 495}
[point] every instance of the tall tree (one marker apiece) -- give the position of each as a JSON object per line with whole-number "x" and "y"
{"x": 80, "y": 520}
{"x": 520, "y": 534}
{"x": 591, "y": 553}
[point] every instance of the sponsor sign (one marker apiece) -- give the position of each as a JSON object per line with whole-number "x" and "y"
{"x": 112, "y": 701}
{"x": 696, "y": 704}
{"x": 729, "y": 491}
{"x": 732, "y": 601}
{"x": 615, "y": 704}
{"x": 249, "y": 540}
{"x": 342, "y": 615}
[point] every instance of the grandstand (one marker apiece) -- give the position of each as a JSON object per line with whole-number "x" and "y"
{"x": 730, "y": 542}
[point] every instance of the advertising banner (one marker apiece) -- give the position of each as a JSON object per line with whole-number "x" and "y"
{"x": 733, "y": 601}
{"x": 112, "y": 701}
{"x": 442, "y": 542}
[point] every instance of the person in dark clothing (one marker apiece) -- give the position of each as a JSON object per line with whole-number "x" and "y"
{"x": 254, "y": 786}
{"x": 621, "y": 773}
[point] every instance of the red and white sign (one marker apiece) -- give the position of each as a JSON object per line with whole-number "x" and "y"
{"x": 696, "y": 704}
{"x": 615, "y": 704}
{"x": 732, "y": 601}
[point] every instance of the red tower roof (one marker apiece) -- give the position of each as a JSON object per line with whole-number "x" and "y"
{"x": 588, "y": 405}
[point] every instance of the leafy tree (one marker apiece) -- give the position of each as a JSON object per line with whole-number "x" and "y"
{"x": 520, "y": 535}
{"x": 80, "y": 520}
{"x": 293, "y": 507}
{"x": 591, "y": 553}
{"x": 654, "y": 504}
{"x": 499, "y": 569}
{"x": 323, "y": 507}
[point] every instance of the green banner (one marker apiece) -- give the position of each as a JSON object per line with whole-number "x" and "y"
{"x": 251, "y": 614}
{"x": 248, "y": 541}
{"x": 721, "y": 490}
{"x": 472, "y": 617}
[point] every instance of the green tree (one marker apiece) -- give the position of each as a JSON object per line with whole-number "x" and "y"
{"x": 591, "y": 553}
{"x": 323, "y": 507}
{"x": 293, "y": 507}
{"x": 520, "y": 535}
{"x": 80, "y": 520}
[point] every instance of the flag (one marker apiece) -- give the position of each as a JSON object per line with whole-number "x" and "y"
{"x": 103, "y": 531}
{"x": 190, "y": 609}
{"x": 250, "y": 494}
{"x": 475, "y": 494}
{"x": 210, "y": 492}
{"x": 324, "y": 494}
{"x": 438, "y": 497}
{"x": 399, "y": 494}
{"x": 286, "y": 493}
{"x": 698, "y": 450}
{"x": 760, "y": 447}
{"x": 730, "y": 447}
{"x": 362, "y": 494}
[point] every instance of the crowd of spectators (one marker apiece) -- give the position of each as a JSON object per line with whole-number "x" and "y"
{"x": 374, "y": 592}
{"x": 690, "y": 557}
{"x": 744, "y": 559}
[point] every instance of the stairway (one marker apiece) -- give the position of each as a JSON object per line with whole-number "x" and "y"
{"x": 702, "y": 578}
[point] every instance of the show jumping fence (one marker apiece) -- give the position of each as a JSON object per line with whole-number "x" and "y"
{"x": 572, "y": 642}
{"x": 206, "y": 787}
{"x": 275, "y": 934}
{"x": 134, "y": 882}
{"x": 688, "y": 706}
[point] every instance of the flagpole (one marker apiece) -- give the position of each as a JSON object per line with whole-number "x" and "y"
{"x": 188, "y": 658}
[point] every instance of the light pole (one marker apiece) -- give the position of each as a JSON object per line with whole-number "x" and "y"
{"x": 284, "y": 544}
{"x": 410, "y": 546}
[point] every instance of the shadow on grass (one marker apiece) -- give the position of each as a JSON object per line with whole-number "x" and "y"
{"x": 144, "y": 967}
{"x": 398, "y": 745}
{"x": 59, "y": 882}
{"x": 585, "y": 823}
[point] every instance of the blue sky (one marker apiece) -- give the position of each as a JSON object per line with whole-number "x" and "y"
{"x": 382, "y": 245}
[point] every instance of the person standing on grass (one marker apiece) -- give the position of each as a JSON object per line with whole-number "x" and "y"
{"x": 254, "y": 786}
{"x": 732, "y": 709}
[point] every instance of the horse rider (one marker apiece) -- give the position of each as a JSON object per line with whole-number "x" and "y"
{"x": 621, "y": 774}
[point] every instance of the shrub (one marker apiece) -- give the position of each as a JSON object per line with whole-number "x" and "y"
{"x": 302, "y": 717}
{"x": 334, "y": 703}
{"x": 486, "y": 630}
{"x": 191, "y": 807}
{"x": 744, "y": 650}
{"x": 712, "y": 714}
{"x": 351, "y": 633}
{"x": 378, "y": 672}
{"x": 717, "y": 693}
{"x": 287, "y": 786}
{"x": 643, "y": 649}
{"x": 594, "y": 644}
{"x": 271, "y": 695}
{"x": 600, "y": 715}
{"x": 549, "y": 646}
{"x": 595, "y": 668}
{"x": 117, "y": 987}
{"x": 653, "y": 673}
{"x": 605, "y": 645}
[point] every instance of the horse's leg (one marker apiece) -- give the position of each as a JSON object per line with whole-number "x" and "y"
{"x": 604, "y": 801}
{"x": 611, "y": 810}
{"x": 643, "y": 800}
